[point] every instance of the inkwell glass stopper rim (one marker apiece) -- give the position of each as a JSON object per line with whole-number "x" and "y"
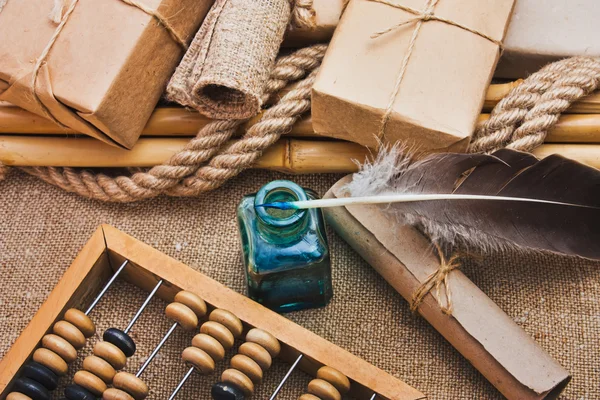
{"x": 265, "y": 195}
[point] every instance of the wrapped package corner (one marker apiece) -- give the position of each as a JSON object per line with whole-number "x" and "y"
{"x": 442, "y": 90}
{"x": 107, "y": 69}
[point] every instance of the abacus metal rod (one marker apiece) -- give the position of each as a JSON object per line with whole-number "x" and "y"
{"x": 156, "y": 350}
{"x": 178, "y": 388}
{"x": 285, "y": 378}
{"x": 373, "y": 397}
{"x": 105, "y": 288}
{"x": 139, "y": 312}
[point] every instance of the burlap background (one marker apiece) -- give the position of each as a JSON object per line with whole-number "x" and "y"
{"x": 42, "y": 229}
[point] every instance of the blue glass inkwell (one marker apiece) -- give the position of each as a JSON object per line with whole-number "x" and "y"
{"x": 285, "y": 252}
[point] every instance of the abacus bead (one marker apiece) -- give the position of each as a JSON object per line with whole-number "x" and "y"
{"x": 248, "y": 366}
{"x": 219, "y": 332}
{"x": 210, "y": 345}
{"x": 226, "y": 391}
{"x": 183, "y": 315}
{"x": 194, "y": 302}
{"x": 91, "y": 382}
{"x": 199, "y": 359}
{"x": 265, "y": 339}
{"x": 110, "y": 353}
{"x": 41, "y": 374}
{"x": 81, "y": 321}
{"x": 99, "y": 367}
{"x": 51, "y": 360}
{"x": 131, "y": 384}
{"x": 116, "y": 394}
{"x": 229, "y": 320}
{"x": 257, "y": 353}
{"x": 335, "y": 377}
{"x": 31, "y": 388}
{"x": 17, "y": 396}
{"x": 237, "y": 378}
{"x": 120, "y": 339}
{"x": 70, "y": 333}
{"x": 76, "y": 392}
{"x": 308, "y": 397}
{"x": 323, "y": 390}
{"x": 60, "y": 346}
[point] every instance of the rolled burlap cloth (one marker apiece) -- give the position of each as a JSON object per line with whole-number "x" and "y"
{"x": 224, "y": 72}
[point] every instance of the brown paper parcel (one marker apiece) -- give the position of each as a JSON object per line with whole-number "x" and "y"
{"x": 108, "y": 67}
{"x": 440, "y": 95}
{"x": 504, "y": 353}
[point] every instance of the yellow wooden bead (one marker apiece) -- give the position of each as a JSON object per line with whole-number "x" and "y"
{"x": 219, "y": 332}
{"x": 308, "y": 397}
{"x": 17, "y": 396}
{"x": 229, "y": 320}
{"x": 81, "y": 321}
{"x": 183, "y": 315}
{"x": 238, "y": 379}
{"x": 335, "y": 377}
{"x": 60, "y": 346}
{"x": 131, "y": 384}
{"x": 265, "y": 339}
{"x": 210, "y": 345}
{"x": 90, "y": 382}
{"x": 99, "y": 367}
{"x": 51, "y": 360}
{"x": 257, "y": 353}
{"x": 116, "y": 394}
{"x": 110, "y": 353}
{"x": 70, "y": 333}
{"x": 323, "y": 390}
{"x": 193, "y": 301}
{"x": 248, "y": 366}
{"x": 199, "y": 359}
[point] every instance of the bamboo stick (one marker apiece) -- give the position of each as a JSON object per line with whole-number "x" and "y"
{"x": 288, "y": 155}
{"x": 180, "y": 122}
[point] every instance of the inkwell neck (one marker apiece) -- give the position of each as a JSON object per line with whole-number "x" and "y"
{"x": 275, "y": 221}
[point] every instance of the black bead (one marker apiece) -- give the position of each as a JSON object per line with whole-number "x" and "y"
{"x": 31, "y": 388}
{"x": 120, "y": 339}
{"x": 226, "y": 391}
{"x": 40, "y": 374}
{"x": 76, "y": 392}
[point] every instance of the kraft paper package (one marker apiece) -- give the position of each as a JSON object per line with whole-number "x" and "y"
{"x": 393, "y": 75}
{"x": 107, "y": 67}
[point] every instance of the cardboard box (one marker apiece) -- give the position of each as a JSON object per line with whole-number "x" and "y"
{"x": 443, "y": 86}
{"x": 503, "y": 352}
{"x": 543, "y": 32}
{"x": 107, "y": 69}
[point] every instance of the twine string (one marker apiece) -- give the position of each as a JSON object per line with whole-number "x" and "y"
{"x": 436, "y": 280}
{"x": 421, "y": 16}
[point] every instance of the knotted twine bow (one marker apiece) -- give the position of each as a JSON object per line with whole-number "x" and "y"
{"x": 42, "y": 58}
{"x": 421, "y": 16}
{"x": 435, "y": 280}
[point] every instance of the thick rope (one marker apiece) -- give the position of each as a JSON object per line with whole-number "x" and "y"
{"x": 168, "y": 177}
{"x": 303, "y": 15}
{"x": 523, "y": 118}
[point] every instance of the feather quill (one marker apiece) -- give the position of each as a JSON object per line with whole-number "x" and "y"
{"x": 569, "y": 223}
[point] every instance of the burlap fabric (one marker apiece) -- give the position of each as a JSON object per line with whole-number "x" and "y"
{"x": 225, "y": 69}
{"x": 43, "y": 228}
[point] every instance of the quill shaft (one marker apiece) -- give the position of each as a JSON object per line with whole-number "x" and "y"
{"x": 394, "y": 198}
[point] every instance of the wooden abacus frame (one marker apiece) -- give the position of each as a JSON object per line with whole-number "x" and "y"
{"x": 109, "y": 247}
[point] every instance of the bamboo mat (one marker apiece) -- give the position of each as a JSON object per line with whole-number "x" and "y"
{"x": 42, "y": 229}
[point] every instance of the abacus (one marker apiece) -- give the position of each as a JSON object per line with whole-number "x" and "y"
{"x": 39, "y": 357}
